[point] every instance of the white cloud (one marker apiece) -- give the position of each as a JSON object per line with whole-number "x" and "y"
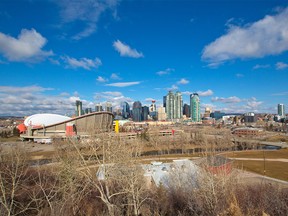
{"x": 280, "y": 94}
{"x": 86, "y": 12}
{"x": 239, "y": 75}
{"x": 149, "y": 99}
{"x": 165, "y": 72}
{"x": 54, "y": 61}
{"x": 281, "y": 65}
{"x": 254, "y": 104}
{"x": 28, "y": 100}
{"x": 115, "y": 76}
{"x": 116, "y": 98}
{"x": 123, "y": 84}
{"x": 232, "y": 99}
{"x": 101, "y": 79}
{"x": 200, "y": 93}
{"x": 126, "y": 50}
{"x": 25, "y": 89}
{"x": 187, "y": 93}
{"x": 172, "y": 88}
{"x": 114, "y": 94}
{"x": 84, "y": 63}
{"x": 27, "y": 47}
{"x": 183, "y": 81}
{"x": 268, "y": 36}
{"x": 258, "y": 66}
{"x": 205, "y": 93}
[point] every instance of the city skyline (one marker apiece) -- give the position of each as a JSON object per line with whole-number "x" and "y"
{"x": 232, "y": 54}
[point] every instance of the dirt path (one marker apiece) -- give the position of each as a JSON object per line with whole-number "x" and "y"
{"x": 261, "y": 159}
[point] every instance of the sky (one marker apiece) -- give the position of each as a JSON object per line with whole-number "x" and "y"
{"x": 234, "y": 53}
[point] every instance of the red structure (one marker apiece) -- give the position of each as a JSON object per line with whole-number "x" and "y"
{"x": 22, "y": 128}
{"x": 219, "y": 164}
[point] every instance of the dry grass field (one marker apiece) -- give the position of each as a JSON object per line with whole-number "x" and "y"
{"x": 269, "y": 154}
{"x": 274, "y": 169}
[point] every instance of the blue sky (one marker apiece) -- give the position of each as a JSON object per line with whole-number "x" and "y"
{"x": 232, "y": 53}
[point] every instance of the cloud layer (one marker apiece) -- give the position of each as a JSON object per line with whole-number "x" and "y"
{"x": 27, "y": 47}
{"x": 183, "y": 81}
{"x": 86, "y": 12}
{"x": 165, "y": 72}
{"x": 28, "y": 100}
{"x": 123, "y": 84}
{"x": 84, "y": 63}
{"x": 126, "y": 50}
{"x": 268, "y": 36}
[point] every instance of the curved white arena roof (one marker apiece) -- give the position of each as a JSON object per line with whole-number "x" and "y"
{"x": 44, "y": 119}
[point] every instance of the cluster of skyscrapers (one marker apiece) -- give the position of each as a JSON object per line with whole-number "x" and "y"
{"x": 173, "y": 104}
{"x": 98, "y": 108}
{"x": 172, "y": 110}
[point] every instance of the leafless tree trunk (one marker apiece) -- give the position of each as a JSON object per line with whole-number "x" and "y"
{"x": 13, "y": 168}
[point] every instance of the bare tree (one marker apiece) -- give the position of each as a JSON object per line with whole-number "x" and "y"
{"x": 13, "y": 170}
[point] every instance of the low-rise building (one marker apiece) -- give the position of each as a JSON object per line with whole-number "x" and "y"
{"x": 245, "y": 131}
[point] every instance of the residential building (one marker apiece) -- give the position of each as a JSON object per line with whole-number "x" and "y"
{"x": 281, "y": 110}
{"x": 195, "y": 107}
{"x": 178, "y": 113}
{"x": 170, "y": 105}
{"x": 174, "y": 105}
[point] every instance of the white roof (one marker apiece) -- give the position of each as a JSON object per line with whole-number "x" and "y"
{"x": 45, "y": 119}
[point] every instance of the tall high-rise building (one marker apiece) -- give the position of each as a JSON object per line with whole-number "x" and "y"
{"x": 174, "y": 105}
{"x": 145, "y": 113}
{"x": 125, "y": 110}
{"x": 78, "y": 110}
{"x": 164, "y": 101}
{"x": 98, "y": 108}
{"x": 137, "y": 111}
{"x": 281, "y": 110}
{"x": 186, "y": 110}
{"x": 108, "y": 107}
{"x": 170, "y": 101}
{"x": 178, "y": 114}
{"x": 195, "y": 107}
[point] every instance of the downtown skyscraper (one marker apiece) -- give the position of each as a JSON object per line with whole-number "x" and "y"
{"x": 137, "y": 111}
{"x": 195, "y": 107}
{"x": 281, "y": 110}
{"x": 174, "y": 105}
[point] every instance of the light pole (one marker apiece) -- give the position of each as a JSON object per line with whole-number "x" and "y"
{"x": 264, "y": 171}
